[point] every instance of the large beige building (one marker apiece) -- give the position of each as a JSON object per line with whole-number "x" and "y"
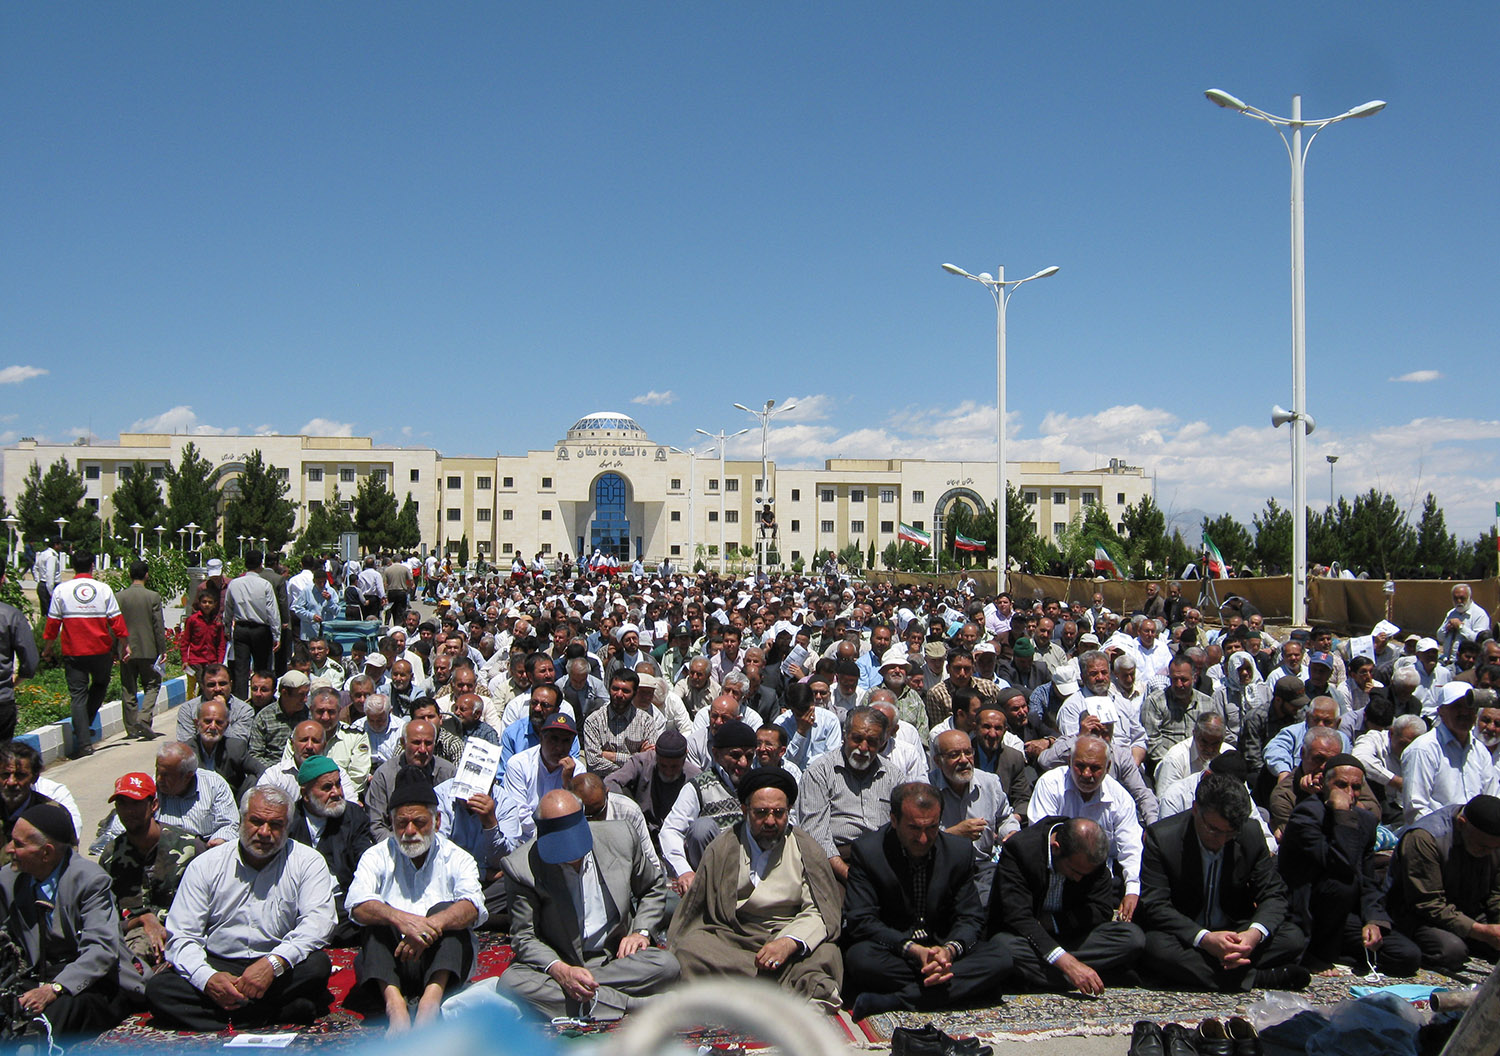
{"x": 606, "y": 485}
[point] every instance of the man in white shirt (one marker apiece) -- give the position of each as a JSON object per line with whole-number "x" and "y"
{"x": 248, "y": 925}
{"x": 418, "y": 897}
{"x": 1447, "y": 765}
{"x": 1465, "y": 622}
{"x": 1084, "y": 789}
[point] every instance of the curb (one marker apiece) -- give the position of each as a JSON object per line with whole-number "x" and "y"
{"x": 55, "y": 740}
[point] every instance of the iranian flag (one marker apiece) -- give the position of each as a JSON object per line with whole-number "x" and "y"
{"x": 963, "y": 542}
{"x": 906, "y": 533}
{"x": 1213, "y": 561}
{"x": 1104, "y": 565}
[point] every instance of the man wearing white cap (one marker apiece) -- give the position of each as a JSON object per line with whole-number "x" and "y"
{"x": 910, "y": 706}
{"x": 1447, "y": 765}
{"x": 1431, "y": 675}
{"x": 1465, "y": 622}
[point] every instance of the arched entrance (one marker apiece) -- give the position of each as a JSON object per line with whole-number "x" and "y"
{"x": 943, "y": 509}
{"x": 609, "y": 528}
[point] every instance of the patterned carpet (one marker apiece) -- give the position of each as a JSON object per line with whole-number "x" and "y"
{"x": 1059, "y": 1015}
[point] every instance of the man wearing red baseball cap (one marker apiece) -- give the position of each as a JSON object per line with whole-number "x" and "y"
{"x": 145, "y": 864}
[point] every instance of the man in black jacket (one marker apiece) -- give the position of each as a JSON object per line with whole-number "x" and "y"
{"x": 1328, "y": 861}
{"x": 334, "y": 827}
{"x": 913, "y": 921}
{"x": 1061, "y": 934}
{"x": 1213, "y": 906}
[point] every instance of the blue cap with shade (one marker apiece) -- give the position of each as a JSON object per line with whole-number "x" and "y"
{"x": 563, "y": 839}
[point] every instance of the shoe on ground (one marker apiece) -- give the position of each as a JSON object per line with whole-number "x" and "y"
{"x": 1213, "y": 1038}
{"x": 1146, "y": 1040}
{"x": 1179, "y": 1040}
{"x": 1287, "y": 977}
{"x": 81, "y": 753}
{"x": 1245, "y": 1037}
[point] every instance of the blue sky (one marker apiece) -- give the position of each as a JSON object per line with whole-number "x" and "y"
{"x": 464, "y": 226}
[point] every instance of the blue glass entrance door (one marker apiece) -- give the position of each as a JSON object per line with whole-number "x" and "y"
{"x": 609, "y": 532}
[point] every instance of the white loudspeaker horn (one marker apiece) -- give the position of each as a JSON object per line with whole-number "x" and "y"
{"x": 1281, "y": 416}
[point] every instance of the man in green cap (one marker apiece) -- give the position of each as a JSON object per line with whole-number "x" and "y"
{"x": 335, "y": 827}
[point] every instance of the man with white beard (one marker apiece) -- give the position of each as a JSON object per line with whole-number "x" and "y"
{"x": 418, "y": 897}
{"x": 974, "y": 804}
{"x": 847, "y": 793}
{"x": 336, "y": 828}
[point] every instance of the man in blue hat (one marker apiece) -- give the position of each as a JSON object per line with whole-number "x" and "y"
{"x": 586, "y": 904}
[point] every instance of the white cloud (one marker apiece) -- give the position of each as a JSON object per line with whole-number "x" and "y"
{"x": 326, "y": 427}
{"x": 16, "y": 375}
{"x": 10, "y": 436}
{"x": 655, "y": 399}
{"x": 1419, "y": 376}
{"x": 181, "y": 420}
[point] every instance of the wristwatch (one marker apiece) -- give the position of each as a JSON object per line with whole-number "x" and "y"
{"x": 57, "y": 988}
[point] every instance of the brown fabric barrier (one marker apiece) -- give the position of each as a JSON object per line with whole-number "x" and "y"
{"x": 1346, "y": 605}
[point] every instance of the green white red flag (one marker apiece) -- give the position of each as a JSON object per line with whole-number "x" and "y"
{"x": 906, "y": 533}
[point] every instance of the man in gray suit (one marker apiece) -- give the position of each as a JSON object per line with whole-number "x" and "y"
{"x": 585, "y": 903}
{"x": 141, "y": 607}
{"x": 57, "y": 904}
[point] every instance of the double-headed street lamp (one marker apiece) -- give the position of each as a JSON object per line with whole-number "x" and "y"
{"x": 721, "y": 438}
{"x": 1300, "y": 423}
{"x": 1001, "y": 291}
{"x": 765, "y": 414}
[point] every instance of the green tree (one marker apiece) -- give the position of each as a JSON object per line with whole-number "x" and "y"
{"x": 1377, "y": 537}
{"x": 57, "y": 493}
{"x": 1325, "y": 538}
{"x": 325, "y": 523}
{"x": 259, "y": 505}
{"x": 375, "y": 515}
{"x": 463, "y": 551}
{"x": 1230, "y": 536}
{"x": 870, "y": 555}
{"x": 853, "y": 555}
{"x": 137, "y": 500}
{"x": 1179, "y": 554}
{"x": 193, "y": 493}
{"x": 1145, "y": 533}
{"x": 890, "y": 555}
{"x": 1437, "y": 550}
{"x": 1476, "y": 559}
{"x": 408, "y": 526}
{"x": 1273, "y": 538}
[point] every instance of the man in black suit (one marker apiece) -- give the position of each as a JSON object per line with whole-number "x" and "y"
{"x": 1061, "y": 935}
{"x": 218, "y": 753}
{"x": 334, "y": 827}
{"x": 1213, "y": 906}
{"x": 913, "y": 920}
{"x": 1328, "y": 862}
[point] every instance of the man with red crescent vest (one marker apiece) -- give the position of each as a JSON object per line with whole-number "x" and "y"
{"x": 87, "y": 618}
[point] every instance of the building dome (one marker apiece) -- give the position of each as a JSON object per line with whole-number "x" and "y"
{"x": 611, "y": 425}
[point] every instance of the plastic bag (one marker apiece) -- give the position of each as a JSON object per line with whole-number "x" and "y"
{"x": 1277, "y": 1006}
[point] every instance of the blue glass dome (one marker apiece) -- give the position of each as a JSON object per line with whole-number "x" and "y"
{"x": 610, "y": 424}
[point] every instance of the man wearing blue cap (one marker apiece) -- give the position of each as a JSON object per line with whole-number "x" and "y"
{"x": 585, "y": 902}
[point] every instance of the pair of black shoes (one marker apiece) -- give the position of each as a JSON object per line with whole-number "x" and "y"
{"x": 1212, "y": 1037}
{"x": 929, "y": 1041}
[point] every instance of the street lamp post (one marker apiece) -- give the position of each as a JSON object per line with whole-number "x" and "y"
{"x": 160, "y": 530}
{"x": 722, "y": 438}
{"x": 10, "y": 531}
{"x": 765, "y": 414}
{"x": 1331, "y": 460}
{"x": 1297, "y": 153}
{"x": 692, "y": 453}
{"x": 182, "y": 539}
{"x": 61, "y": 523}
{"x": 140, "y": 546}
{"x": 1001, "y": 291}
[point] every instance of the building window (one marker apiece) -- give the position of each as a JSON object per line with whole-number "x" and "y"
{"x": 732, "y": 484}
{"x": 1087, "y": 498}
{"x": 676, "y": 483}
{"x": 1120, "y": 528}
{"x": 92, "y": 504}
{"x": 676, "y": 516}
{"x": 826, "y": 527}
{"x": 314, "y": 504}
{"x": 123, "y": 472}
{"x": 857, "y": 495}
{"x": 507, "y": 482}
{"x": 484, "y": 546}
{"x": 416, "y": 475}
{"x": 483, "y": 514}
{"x": 507, "y": 515}
{"x": 416, "y": 507}
{"x": 314, "y": 475}
{"x": 90, "y": 472}
{"x": 825, "y": 494}
{"x": 919, "y": 526}
{"x": 919, "y": 497}
{"x": 347, "y": 505}
{"x": 546, "y": 515}
{"x": 713, "y": 516}
{"x": 1030, "y": 498}
{"x": 1120, "y": 498}
{"x": 887, "y": 527}
{"x": 760, "y": 484}
{"x": 796, "y": 526}
{"x": 380, "y": 476}
{"x": 158, "y": 472}
{"x": 796, "y": 555}
{"x": 505, "y": 548}
{"x": 796, "y": 494}
{"x": 547, "y": 483}
{"x": 676, "y": 550}
{"x": 731, "y": 516}
{"x": 1058, "y": 527}
{"x": 346, "y": 476}
{"x": 454, "y": 514}
{"x": 281, "y": 474}
{"x": 1059, "y": 498}
{"x": 454, "y": 483}
{"x": 483, "y": 483}
{"x": 887, "y": 494}
{"x": 857, "y": 527}
{"x": 713, "y": 484}
{"x": 546, "y": 548}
